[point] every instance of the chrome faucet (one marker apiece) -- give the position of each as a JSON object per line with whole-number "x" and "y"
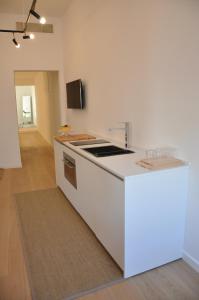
{"x": 126, "y": 130}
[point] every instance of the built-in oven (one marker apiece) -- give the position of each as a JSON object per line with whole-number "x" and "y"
{"x": 70, "y": 169}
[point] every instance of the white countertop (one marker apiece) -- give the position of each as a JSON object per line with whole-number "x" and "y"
{"x": 123, "y": 166}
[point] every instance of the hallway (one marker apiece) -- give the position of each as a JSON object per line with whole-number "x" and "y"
{"x": 175, "y": 281}
{"x": 37, "y": 173}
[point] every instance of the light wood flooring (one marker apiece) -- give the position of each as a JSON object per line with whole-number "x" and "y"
{"x": 175, "y": 281}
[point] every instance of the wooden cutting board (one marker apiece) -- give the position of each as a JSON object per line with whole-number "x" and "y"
{"x": 74, "y": 137}
{"x": 158, "y": 164}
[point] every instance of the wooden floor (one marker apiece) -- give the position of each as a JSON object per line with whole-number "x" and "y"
{"x": 175, "y": 281}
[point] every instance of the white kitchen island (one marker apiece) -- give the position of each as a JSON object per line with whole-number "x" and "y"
{"x": 137, "y": 214}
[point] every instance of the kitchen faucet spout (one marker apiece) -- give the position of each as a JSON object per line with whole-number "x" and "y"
{"x": 126, "y": 131}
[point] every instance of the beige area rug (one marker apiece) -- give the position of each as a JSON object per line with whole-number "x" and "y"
{"x": 63, "y": 257}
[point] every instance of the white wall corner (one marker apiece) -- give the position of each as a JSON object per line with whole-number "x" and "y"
{"x": 191, "y": 261}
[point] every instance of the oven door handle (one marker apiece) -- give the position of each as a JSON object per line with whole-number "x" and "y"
{"x": 68, "y": 164}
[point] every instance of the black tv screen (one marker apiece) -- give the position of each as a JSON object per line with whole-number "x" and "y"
{"x": 75, "y": 98}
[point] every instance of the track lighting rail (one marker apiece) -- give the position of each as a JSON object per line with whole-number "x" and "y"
{"x": 32, "y": 11}
{"x": 12, "y": 31}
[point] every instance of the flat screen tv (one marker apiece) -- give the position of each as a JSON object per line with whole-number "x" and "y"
{"x": 75, "y": 95}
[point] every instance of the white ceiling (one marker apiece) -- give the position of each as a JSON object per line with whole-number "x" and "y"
{"x": 53, "y": 8}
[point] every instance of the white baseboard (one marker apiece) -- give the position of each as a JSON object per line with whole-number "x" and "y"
{"x": 191, "y": 261}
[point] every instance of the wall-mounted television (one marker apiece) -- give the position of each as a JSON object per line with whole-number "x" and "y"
{"x": 75, "y": 94}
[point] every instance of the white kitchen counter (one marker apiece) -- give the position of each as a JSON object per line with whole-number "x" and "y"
{"x": 121, "y": 166}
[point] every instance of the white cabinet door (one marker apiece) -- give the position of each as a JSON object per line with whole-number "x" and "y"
{"x": 101, "y": 204}
{"x": 99, "y": 198}
{"x": 154, "y": 219}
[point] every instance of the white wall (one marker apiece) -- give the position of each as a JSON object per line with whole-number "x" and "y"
{"x": 53, "y": 93}
{"x": 43, "y": 53}
{"x": 139, "y": 61}
{"x": 34, "y": 106}
{"x": 47, "y": 95}
{"x": 43, "y": 107}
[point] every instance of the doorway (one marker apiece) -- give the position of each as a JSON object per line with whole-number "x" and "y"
{"x": 26, "y": 106}
{"x": 37, "y": 98}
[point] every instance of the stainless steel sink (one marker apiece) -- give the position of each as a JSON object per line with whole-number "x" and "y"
{"x": 107, "y": 151}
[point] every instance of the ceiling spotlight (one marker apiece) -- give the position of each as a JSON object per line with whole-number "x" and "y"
{"x": 17, "y": 45}
{"x": 26, "y": 36}
{"x": 32, "y": 36}
{"x": 42, "y": 20}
